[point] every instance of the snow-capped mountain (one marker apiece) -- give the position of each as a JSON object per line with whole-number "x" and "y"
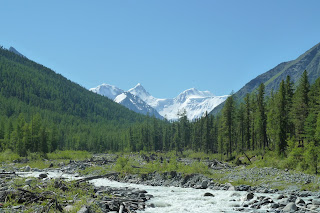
{"x": 135, "y": 103}
{"x": 107, "y": 90}
{"x": 126, "y": 99}
{"x": 194, "y": 102}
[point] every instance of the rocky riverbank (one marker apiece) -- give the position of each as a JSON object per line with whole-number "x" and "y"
{"x": 271, "y": 189}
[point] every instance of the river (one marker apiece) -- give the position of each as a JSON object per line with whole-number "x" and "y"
{"x": 176, "y": 199}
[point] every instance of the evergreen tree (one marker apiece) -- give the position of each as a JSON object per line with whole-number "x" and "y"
{"x": 281, "y": 115}
{"x": 261, "y": 118}
{"x": 247, "y": 121}
{"x": 228, "y": 114}
{"x": 300, "y": 107}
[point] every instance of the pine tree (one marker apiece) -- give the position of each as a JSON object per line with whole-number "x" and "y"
{"x": 247, "y": 121}
{"x": 261, "y": 118}
{"x": 228, "y": 114}
{"x": 300, "y": 107}
{"x": 281, "y": 115}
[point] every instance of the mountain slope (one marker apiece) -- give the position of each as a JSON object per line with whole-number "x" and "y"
{"x": 135, "y": 104}
{"x": 309, "y": 61}
{"x": 37, "y": 86}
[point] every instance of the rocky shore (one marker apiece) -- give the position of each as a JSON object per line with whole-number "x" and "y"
{"x": 277, "y": 191}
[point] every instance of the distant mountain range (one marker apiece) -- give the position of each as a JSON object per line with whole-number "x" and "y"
{"x": 309, "y": 61}
{"x": 194, "y": 102}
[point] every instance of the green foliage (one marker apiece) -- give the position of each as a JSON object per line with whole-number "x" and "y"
{"x": 69, "y": 155}
{"x": 123, "y": 165}
{"x": 8, "y": 156}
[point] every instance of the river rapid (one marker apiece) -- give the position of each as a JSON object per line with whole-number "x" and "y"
{"x": 177, "y": 199}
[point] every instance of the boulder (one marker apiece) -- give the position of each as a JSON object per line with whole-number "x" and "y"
{"x": 248, "y": 196}
{"x": 208, "y": 194}
{"x": 204, "y": 184}
{"x": 290, "y": 207}
{"x": 316, "y": 202}
{"x": 43, "y": 175}
{"x": 230, "y": 187}
{"x": 27, "y": 168}
{"x": 299, "y": 201}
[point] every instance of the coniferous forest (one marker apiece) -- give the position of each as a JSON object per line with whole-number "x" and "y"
{"x": 41, "y": 111}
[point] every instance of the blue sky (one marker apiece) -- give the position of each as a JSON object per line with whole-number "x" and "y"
{"x": 168, "y": 46}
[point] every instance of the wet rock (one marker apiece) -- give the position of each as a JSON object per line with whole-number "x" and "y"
{"x": 243, "y": 188}
{"x": 204, "y": 184}
{"x": 43, "y": 175}
{"x": 230, "y": 187}
{"x": 274, "y": 205}
{"x": 316, "y": 202}
{"x": 283, "y": 202}
{"x": 290, "y": 207}
{"x": 27, "y": 168}
{"x": 280, "y": 197}
{"x": 299, "y": 201}
{"x": 151, "y": 205}
{"x": 208, "y": 194}
{"x": 248, "y": 196}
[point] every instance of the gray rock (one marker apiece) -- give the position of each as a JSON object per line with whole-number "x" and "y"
{"x": 299, "y": 201}
{"x": 280, "y": 197}
{"x": 204, "y": 184}
{"x": 274, "y": 205}
{"x": 283, "y": 202}
{"x": 27, "y": 168}
{"x": 230, "y": 187}
{"x": 290, "y": 207}
{"x": 316, "y": 202}
{"x": 83, "y": 210}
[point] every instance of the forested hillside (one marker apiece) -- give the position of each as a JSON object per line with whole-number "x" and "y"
{"x": 310, "y": 61}
{"x": 41, "y": 110}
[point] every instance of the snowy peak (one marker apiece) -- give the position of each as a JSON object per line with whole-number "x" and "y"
{"x": 135, "y": 103}
{"x": 193, "y": 93}
{"x": 196, "y": 103}
{"x": 107, "y": 90}
{"x": 140, "y": 91}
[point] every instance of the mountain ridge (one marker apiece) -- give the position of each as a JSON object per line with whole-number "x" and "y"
{"x": 196, "y": 103}
{"x": 309, "y": 60}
